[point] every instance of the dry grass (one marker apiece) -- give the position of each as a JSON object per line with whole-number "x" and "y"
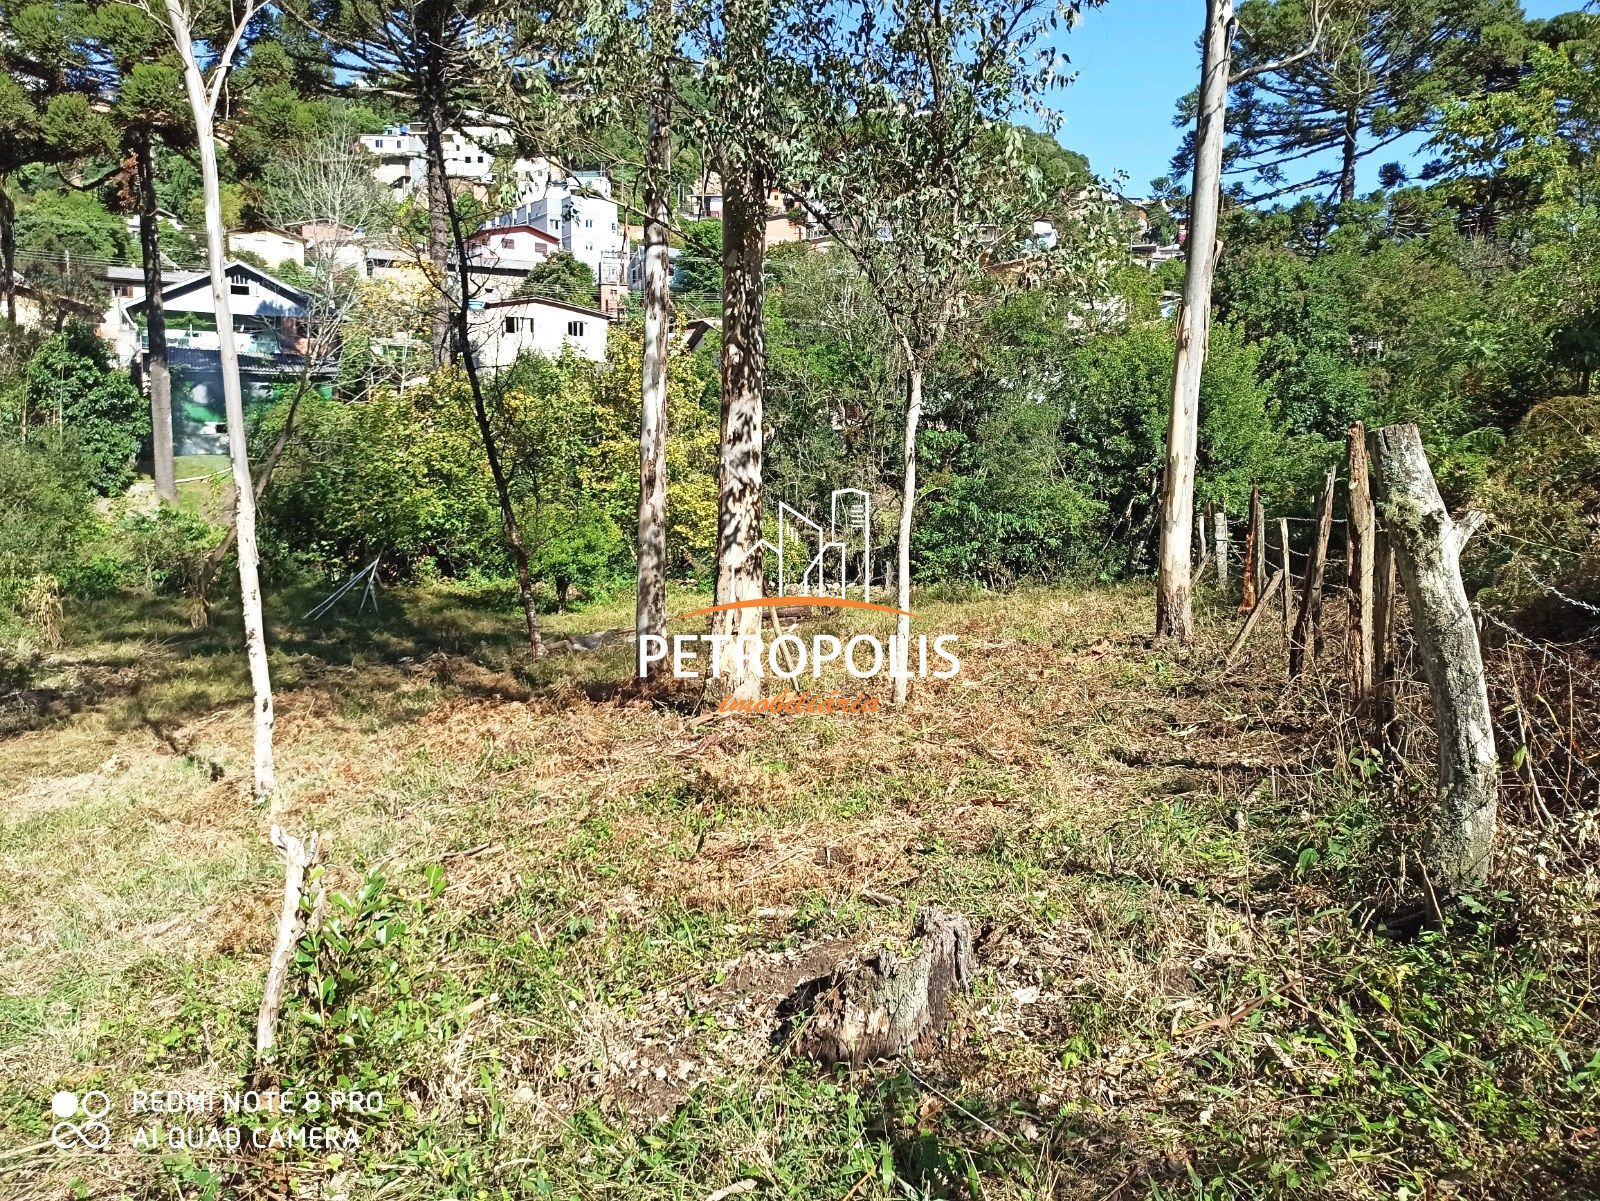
{"x": 1176, "y": 999}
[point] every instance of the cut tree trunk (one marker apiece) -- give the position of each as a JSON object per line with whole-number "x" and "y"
{"x": 157, "y": 373}
{"x": 1174, "y": 583}
{"x": 908, "y": 505}
{"x": 1427, "y": 550}
{"x": 739, "y": 560}
{"x": 650, "y": 613}
{"x": 884, "y": 1005}
{"x": 255, "y": 633}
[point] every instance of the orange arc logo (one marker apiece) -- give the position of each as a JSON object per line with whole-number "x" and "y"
{"x": 814, "y": 602}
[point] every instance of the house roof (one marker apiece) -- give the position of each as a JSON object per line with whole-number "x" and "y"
{"x": 490, "y": 231}
{"x": 233, "y": 267}
{"x": 544, "y": 302}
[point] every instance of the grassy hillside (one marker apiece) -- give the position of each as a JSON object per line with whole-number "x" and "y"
{"x": 566, "y": 917}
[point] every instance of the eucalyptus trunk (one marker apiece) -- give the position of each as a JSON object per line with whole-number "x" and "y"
{"x": 908, "y": 502}
{"x": 157, "y": 372}
{"x": 1174, "y": 584}
{"x": 650, "y": 616}
{"x": 739, "y": 559}
{"x": 266, "y": 781}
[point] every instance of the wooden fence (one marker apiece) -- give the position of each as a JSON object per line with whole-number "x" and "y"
{"x": 1399, "y": 543}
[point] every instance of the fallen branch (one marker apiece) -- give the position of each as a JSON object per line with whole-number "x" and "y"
{"x": 298, "y": 859}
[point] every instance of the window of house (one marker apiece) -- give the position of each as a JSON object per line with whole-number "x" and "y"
{"x": 239, "y": 287}
{"x": 507, "y": 243}
{"x": 574, "y": 329}
{"x": 511, "y": 325}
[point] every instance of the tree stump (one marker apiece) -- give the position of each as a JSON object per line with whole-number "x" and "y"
{"x": 884, "y": 1005}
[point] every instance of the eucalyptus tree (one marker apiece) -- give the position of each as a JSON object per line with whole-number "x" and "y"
{"x": 1174, "y": 583}
{"x": 913, "y": 167}
{"x": 629, "y": 58}
{"x": 750, "y": 128}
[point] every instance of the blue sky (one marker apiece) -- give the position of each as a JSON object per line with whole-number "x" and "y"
{"x": 1134, "y": 59}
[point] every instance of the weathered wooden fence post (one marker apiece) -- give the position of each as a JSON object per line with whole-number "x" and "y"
{"x": 1201, "y": 521}
{"x": 1288, "y": 578}
{"x": 1222, "y": 549}
{"x": 1427, "y": 549}
{"x": 1383, "y": 588}
{"x": 1308, "y": 626}
{"x": 1255, "y": 559}
{"x": 1360, "y": 530}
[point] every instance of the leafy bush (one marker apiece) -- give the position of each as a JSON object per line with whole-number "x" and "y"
{"x": 46, "y": 517}
{"x": 1543, "y": 489}
{"x": 97, "y": 412}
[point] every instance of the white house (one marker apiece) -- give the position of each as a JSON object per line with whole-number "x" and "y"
{"x": 504, "y": 329}
{"x": 401, "y": 152}
{"x": 269, "y": 333}
{"x": 579, "y": 212}
{"x": 511, "y": 247}
{"x": 274, "y": 247}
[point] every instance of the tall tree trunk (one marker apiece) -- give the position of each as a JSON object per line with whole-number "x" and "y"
{"x": 1427, "y": 549}
{"x": 8, "y": 251}
{"x": 156, "y": 369}
{"x": 440, "y": 217}
{"x": 908, "y": 502}
{"x": 650, "y": 615}
{"x": 255, "y": 633}
{"x": 1174, "y": 608}
{"x": 1347, "y": 157}
{"x": 480, "y": 411}
{"x": 739, "y": 559}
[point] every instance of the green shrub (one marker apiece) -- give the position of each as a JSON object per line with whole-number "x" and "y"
{"x": 1543, "y": 489}
{"x": 47, "y": 515}
{"x": 93, "y": 408}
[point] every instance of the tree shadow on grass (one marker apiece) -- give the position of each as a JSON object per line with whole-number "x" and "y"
{"x": 139, "y": 662}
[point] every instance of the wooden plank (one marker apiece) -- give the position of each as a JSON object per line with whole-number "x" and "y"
{"x": 1222, "y": 548}
{"x": 1275, "y": 583}
{"x": 1254, "y": 559}
{"x": 1288, "y": 578}
{"x": 1360, "y": 535}
{"x": 1308, "y": 626}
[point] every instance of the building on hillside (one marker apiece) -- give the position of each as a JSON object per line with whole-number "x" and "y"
{"x": 504, "y": 329}
{"x": 274, "y": 247}
{"x": 269, "y": 332}
{"x": 578, "y": 211}
{"x": 476, "y": 151}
